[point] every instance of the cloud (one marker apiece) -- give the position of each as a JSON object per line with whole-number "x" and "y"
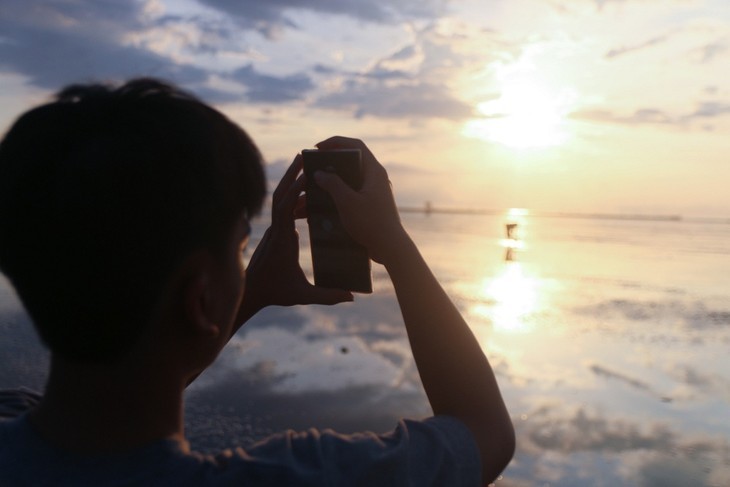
{"x": 670, "y": 471}
{"x": 586, "y": 430}
{"x": 307, "y": 367}
{"x": 600, "y": 4}
{"x": 195, "y": 34}
{"x": 52, "y": 44}
{"x": 692, "y": 315}
{"x": 610, "y": 374}
{"x": 573, "y": 6}
{"x": 412, "y": 81}
{"x": 620, "y": 51}
{"x": 51, "y": 59}
{"x": 109, "y": 17}
{"x": 693, "y": 380}
{"x": 271, "y": 17}
{"x": 711, "y": 51}
{"x": 655, "y": 116}
{"x": 420, "y": 100}
{"x": 245, "y": 408}
{"x": 640, "y": 116}
{"x": 55, "y": 43}
{"x": 691, "y": 376}
{"x": 271, "y": 89}
{"x": 582, "y": 443}
{"x": 709, "y": 109}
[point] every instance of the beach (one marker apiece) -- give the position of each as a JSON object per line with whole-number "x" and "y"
{"x": 610, "y": 338}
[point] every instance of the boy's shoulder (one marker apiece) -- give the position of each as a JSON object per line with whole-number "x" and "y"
{"x": 415, "y": 452}
{"x": 27, "y": 459}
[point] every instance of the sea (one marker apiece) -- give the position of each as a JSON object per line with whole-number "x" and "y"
{"x": 609, "y": 336}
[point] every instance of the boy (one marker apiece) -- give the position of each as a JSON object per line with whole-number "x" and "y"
{"x": 123, "y": 216}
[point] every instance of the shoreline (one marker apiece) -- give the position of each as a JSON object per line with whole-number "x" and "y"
{"x": 428, "y": 210}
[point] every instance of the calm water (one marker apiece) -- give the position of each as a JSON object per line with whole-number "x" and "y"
{"x": 610, "y": 340}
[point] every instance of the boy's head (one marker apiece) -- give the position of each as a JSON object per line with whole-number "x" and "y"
{"x": 103, "y": 192}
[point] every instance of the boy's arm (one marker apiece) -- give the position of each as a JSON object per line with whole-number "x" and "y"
{"x": 454, "y": 370}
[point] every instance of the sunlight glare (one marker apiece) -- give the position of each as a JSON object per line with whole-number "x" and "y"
{"x": 518, "y": 212}
{"x": 528, "y": 114}
{"x": 515, "y": 295}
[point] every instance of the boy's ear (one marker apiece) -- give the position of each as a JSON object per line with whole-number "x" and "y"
{"x": 198, "y": 295}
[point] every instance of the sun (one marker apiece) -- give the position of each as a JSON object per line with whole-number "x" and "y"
{"x": 528, "y": 113}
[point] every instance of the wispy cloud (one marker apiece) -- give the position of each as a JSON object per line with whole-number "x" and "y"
{"x": 272, "y": 89}
{"x": 709, "y": 109}
{"x": 620, "y": 51}
{"x": 381, "y": 100}
{"x": 569, "y": 6}
{"x": 413, "y": 80}
{"x": 587, "y": 430}
{"x": 712, "y": 51}
{"x": 270, "y": 18}
{"x": 612, "y": 374}
{"x": 652, "y": 454}
{"x": 704, "y": 111}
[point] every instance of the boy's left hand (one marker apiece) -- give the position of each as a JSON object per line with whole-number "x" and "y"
{"x": 274, "y": 276}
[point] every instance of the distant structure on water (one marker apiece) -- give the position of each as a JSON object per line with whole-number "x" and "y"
{"x": 511, "y": 242}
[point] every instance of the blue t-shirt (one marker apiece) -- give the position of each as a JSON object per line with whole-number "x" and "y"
{"x": 437, "y": 451}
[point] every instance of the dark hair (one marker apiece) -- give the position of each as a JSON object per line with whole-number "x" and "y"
{"x": 102, "y": 193}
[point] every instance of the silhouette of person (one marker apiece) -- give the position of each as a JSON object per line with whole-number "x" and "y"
{"x": 124, "y": 211}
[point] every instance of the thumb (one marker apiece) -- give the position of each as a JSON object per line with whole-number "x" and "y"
{"x": 334, "y": 185}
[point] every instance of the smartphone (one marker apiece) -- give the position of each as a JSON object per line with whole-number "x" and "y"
{"x": 337, "y": 260}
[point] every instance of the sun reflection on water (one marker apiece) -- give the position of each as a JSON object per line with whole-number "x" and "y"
{"x": 510, "y": 295}
{"x": 515, "y": 296}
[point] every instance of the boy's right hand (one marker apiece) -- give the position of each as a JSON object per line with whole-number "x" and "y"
{"x": 369, "y": 215}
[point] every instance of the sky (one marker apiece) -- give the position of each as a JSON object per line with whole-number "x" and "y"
{"x": 586, "y": 106}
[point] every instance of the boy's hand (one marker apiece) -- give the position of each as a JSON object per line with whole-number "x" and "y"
{"x": 369, "y": 215}
{"x": 274, "y": 276}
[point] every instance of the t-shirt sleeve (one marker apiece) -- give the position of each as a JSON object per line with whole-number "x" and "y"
{"x": 436, "y": 451}
{"x": 14, "y": 402}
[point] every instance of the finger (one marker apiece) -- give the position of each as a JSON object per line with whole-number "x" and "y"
{"x": 300, "y": 210}
{"x": 289, "y": 177}
{"x": 328, "y": 296}
{"x": 335, "y": 186}
{"x": 291, "y": 197}
{"x": 340, "y": 142}
{"x": 285, "y": 206}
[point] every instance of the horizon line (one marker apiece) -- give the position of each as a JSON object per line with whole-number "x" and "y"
{"x": 658, "y": 217}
